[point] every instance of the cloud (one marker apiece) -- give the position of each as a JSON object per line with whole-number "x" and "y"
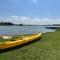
{"x": 29, "y": 20}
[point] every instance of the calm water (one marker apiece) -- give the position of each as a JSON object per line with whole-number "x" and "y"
{"x": 23, "y": 29}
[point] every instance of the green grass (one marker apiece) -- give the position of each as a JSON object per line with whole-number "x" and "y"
{"x": 48, "y": 48}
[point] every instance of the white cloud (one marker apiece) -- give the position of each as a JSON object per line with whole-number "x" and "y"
{"x": 28, "y": 20}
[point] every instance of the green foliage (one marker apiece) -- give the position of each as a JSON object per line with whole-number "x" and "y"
{"x": 6, "y": 23}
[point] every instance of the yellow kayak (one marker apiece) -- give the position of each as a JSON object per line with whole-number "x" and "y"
{"x": 19, "y": 41}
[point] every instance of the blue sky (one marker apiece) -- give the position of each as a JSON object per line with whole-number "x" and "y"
{"x": 25, "y": 11}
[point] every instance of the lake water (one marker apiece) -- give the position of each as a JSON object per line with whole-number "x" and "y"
{"x": 16, "y": 30}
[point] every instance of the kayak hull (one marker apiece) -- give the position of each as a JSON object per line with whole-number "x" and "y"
{"x": 9, "y": 44}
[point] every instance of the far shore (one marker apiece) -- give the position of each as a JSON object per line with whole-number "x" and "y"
{"x": 13, "y": 24}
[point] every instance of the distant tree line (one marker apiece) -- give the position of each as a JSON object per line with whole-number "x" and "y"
{"x": 9, "y": 23}
{"x": 6, "y": 23}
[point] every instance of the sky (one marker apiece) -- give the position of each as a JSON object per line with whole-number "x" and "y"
{"x": 30, "y": 11}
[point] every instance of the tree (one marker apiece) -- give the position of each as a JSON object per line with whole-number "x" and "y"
{"x": 21, "y": 24}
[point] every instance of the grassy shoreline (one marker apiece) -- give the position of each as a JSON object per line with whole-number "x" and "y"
{"x": 48, "y": 48}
